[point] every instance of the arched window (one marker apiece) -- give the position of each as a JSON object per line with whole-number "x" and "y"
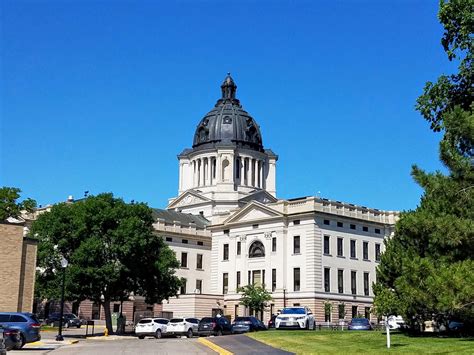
{"x": 256, "y": 250}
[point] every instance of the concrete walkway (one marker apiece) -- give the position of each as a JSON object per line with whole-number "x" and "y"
{"x": 243, "y": 345}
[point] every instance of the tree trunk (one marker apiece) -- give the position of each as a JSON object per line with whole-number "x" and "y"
{"x": 108, "y": 317}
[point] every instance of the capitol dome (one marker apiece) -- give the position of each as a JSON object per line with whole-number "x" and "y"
{"x": 228, "y": 124}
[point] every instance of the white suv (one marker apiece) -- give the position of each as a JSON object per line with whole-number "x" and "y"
{"x": 295, "y": 317}
{"x": 151, "y": 326}
{"x": 183, "y": 326}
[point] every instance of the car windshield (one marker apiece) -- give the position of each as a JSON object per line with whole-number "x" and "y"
{"x": 69, "y": 316}
{"x": 242, "y": 319}
{"x": 177, "y": 320}
{"x": 293, "y": 311}
{"x": 33, "y": 317}
{"x": 208, "y": 320}
{"x": 360, "y": 320}
{"x": 144, "y": 321}
{"x": 161, "y": 321}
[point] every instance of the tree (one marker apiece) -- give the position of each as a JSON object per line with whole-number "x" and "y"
{"x": 255, "y": 297}
{"x": 327, "y": 310}
{"x": 9, "y": 207}
{"x": 427, "y": 268}
{"x": 112, "y": 252}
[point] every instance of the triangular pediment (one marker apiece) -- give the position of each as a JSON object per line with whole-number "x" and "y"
{"x": 261, "y": 196}
{"x": 188, "y": 198}
{"x": 253, "y": 212}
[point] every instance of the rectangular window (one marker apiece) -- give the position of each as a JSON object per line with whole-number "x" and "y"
{"x": 326, "y": 222}
{"x": 239, "y": 248}
{"x": 257, "y": 277}
{"x": 327, "y": 316}
{"x": 377, "y": 231}
{"x": 254, "y": 226}
{"x": 236, "y": 310}
{"x": 225, "y": 283}
{"x": 184, "y": 241}
{"x": 327, "y": 280}
{"x": 326, "y": 245}
{"x": 340, "y": 224}
{"x": 296, "y": 222}
{"x": 249, "y": 278}
{"x": 353, "y": 226}
{"x": 296, "y": 279}
{"x": 274, "y": 244}
{"x": 200, "y": 243}
{"x": 182, "y": 289}
{"x": 169, "y": 239}
{"x": 365, "y": 229}
{"x": 116, "y": 307}
{"x": 274, "y": 279}
{"x": 263, "y": 278}
{"x": 340, "y": 281}
{"x": 226, "y": 232}
{"x": 367, "y": 312}
{"x": 226, "y": 252}
{"x": 199, "y": 286}
{"x": 184, "y": 259}
{"x": 354, "y": 312}
{"x": 238, "y": 280}
{"x": 365, "y": 250}
{"x": 199, "y": 262}
{"x": 353, "y": 249}
{"x": 354, "y": 282}
{"x": 342, "y": 311}
{"x": 377, "y": 252}
{"x": 340, "y": 247}
{"x": 296, "y": 244}
{"x": 366, "y": 283}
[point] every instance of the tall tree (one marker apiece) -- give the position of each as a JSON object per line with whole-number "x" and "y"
{"x": 427, "y": 268}
{"x": 255, "y": 297}
{"x": 10, "y": 207}
{"x": 112, "y": 252}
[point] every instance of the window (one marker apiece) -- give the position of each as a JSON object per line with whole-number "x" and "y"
{"x": 15, "y": 318}
{"x": 257, "y": 277}
{"x": 199, "y": 262}
{"x": 169, "y": 239}
{"x": 226, "y": 252}
{"x": 340, "y": 224}
{"x": 353, "y": 249}
{"x": 377, "y": 252}
{"x": 377, "y": 231}
{"x": 248, "y": 279}
{"x": 256, "y": 250}
{"x": 296, "y": 279}
{"x": 226, "y": 231}
{"x": 184, "y": 259}
{"x": 354, "y": 282}
{"x": 263, "y": 277}
{"x": 238, "y": 280}
{"x": 182, "y": 289}
{"x": 200, "y": 243}
{"x": 340, "y": 247}
{"x": 340, "y": 281}
{"x": 199, "y": 286}
{"x": 116, "y": 307}
{"x": 365, "y": 250}
{"x": 366, "y": 283}
{"x": 296, "y": 244}
{"x": 296, "y": 222}
{"x": 274, "y": 279}
{"x": 225, "y": 283}
{"x": 365, "y": 229}
{"x": 326, "y": 222}
{"x": 353, "y": 226}
{"x": 274, "y": 244}
{"x": 326, "y": 245}
{"x": 367, "y": 312}
{"x": 184, "y": 241}
{"x": 236, "y": 310}
{"x": 327, "y": 280}
{"x": 354, "y": 311}
{"x": 342, "y": 311}
{"x": 254, "y": 226}
{"x": 327, "y": 316}
{"x": 239, "y": 248}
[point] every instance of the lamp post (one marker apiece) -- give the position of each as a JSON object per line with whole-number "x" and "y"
{"x": 64, "y": 264}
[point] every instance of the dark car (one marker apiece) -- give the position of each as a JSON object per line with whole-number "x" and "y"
{"x": 246, "y": 324}
{"x": 69, "y": 320}
{"x": 261, "y": 325}
{"x": 27, "y": 323}
{"x": 214, "y": 326}
{"x": 359, "y": 324}
{"x": 11, "y": 337}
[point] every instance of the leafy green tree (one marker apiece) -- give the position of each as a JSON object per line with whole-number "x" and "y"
{"x": 9, "y": 207}
{"x": 112, "y": 252}
{"x": 255, "y": 297}
{"x": 427, "y": 268}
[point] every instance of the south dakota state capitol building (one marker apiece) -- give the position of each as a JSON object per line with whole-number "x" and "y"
{"x": 229, "y": 229}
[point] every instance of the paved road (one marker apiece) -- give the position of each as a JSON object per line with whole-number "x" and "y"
{"x": 243, "y": 345}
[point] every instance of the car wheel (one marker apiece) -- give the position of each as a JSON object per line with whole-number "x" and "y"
{"x": 219, "y": 333}
{"x": 158, "y": 334}
{"x": 314, "y": 325}
{"x": 22, "y": 342}
{"x": 141, "y": 337}
{"x": 79, "y": 326}
{"x": 189, "y": 334}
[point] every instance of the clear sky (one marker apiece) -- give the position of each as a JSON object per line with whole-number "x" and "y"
{"x": 102, "y": 95}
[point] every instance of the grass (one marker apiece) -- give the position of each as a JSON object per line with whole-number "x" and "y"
{"x": 337, "y": 342}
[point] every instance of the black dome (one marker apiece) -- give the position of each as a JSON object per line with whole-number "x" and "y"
{"x": 228, "y": 123}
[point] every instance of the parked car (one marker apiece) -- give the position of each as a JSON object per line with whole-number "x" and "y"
{"x": 69, "y": 320}
{"x": 359, "y": 324}
{"x": 295, "y": 317}
{"x": 455, "y": 326}
{"x": 245, "y": 324}
{"x": 156, "y": 327}
{"x": 271, "y": 322}
{"x": 261, "y": 325}
{"x": 214, "y": 326}
{"x": 27, "y": 323}
{"x": 183, "y": 326}
{"x": 11, "y": 337}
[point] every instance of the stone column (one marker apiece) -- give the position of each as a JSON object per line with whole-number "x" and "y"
{"x": 242, "y": 170}
{"x": 252, "y": 172}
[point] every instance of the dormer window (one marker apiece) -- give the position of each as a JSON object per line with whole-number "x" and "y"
{"x": 256, "y": 250}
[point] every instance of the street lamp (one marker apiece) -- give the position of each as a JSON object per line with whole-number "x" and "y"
{"x": 64, "y": 264}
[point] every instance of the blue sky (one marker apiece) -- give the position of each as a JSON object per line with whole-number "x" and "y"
{"x": 102, "y": 95}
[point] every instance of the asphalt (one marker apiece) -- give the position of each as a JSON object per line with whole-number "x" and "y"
{"x": 243, "y": 345}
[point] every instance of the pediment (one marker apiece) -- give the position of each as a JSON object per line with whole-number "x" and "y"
{"x": 261, "y": 196}
{"x": 254, "y": 211}
{"x": 188, "y": 198}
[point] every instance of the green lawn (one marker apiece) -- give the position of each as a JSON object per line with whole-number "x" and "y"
{"x": 346, "y": 342}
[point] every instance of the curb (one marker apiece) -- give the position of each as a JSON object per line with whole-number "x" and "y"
{"x": 42, "y": 343}
{"x": 216, "y": 348}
